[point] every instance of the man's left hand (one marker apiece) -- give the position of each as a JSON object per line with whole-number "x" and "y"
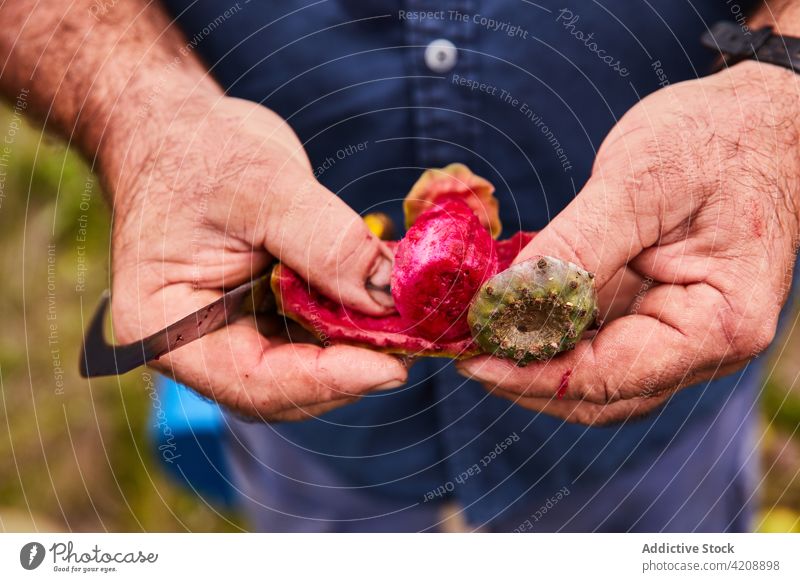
{"x": 696, "y": 190}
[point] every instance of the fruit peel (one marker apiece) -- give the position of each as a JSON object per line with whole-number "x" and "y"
{"x": 454, "y": 181}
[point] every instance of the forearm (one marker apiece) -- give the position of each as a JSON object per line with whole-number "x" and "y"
{"x": 92, "y": 74}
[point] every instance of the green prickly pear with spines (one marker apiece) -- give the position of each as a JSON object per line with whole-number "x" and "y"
{"x": 533, "y": 310}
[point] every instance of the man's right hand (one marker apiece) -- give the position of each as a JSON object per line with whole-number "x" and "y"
{"x": 206, "y": 191}
{"x": 204, "y": 198}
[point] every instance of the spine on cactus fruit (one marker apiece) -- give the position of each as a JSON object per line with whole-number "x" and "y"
{"x": 533, "y": 310}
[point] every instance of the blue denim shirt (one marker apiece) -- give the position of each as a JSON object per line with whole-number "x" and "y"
{"x": 525, "y": 99}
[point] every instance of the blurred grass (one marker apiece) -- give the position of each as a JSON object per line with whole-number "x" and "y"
{"x": 79, "y": 458}
{"x": 74, "y": 456}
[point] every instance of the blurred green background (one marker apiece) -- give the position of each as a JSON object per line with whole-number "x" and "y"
{"x": 75, "y": 455}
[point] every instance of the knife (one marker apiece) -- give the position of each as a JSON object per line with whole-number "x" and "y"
{"x": 100, "y": 358}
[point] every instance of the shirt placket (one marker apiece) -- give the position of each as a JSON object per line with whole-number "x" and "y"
{"x": 442, "y": 46}
{"x": 446, "y": 128}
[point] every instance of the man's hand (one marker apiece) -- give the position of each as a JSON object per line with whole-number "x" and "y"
{"x": 209, "y": 195}
{"x": 696, "y": 189}
{"x": 206, "y": 190}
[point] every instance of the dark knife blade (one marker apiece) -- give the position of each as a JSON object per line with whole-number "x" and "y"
{"x": 100, "y": 358}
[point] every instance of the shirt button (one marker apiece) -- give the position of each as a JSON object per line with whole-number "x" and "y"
{"x": 441, "y": 55}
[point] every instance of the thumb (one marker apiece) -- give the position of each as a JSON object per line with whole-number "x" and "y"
{"x": 327, "y": 243}
{"x": 598, "y": 231}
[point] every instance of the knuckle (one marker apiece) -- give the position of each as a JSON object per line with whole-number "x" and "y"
{"x": 598, "y": 416}
{"x": 600, "y": 392}
{"x": 582, "y": 418}
{"x": 124, "y": 315}
{"x": 746, "y": 335}
{"x": 598, "y": 386}
{"x": 582, "y": 241}
{"x": 290, "y": 415}
{"x": 325, "y": 384}
{"x": 763, "y": 336}
{"x": 245, "y": 404}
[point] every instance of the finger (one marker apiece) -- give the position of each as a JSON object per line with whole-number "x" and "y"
{"x": 620, "y": 294}
{"x": 301, "y": 375}
{"x": 328, "y": 245}
{"x": 588, "y": 413}
{"x": 671, "y": 342}
{"x": 308, "y": 412}
{"x": 648, "y": 392}
{"x": 597, "y": 231}
{"x": 241, "y": 369}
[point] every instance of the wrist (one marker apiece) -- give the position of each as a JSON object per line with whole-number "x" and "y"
{"x": 139, "y": 122}
{"x": 768, "y": 96}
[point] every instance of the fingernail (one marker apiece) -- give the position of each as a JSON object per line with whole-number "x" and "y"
{"x": 390, "y": 385}
{"x": 466, "y": 369}
{"x": 381, "y": 274}
{"x": 380, "y": 295}
{"x": 377, "y": 284}
{"x": 462, "y": 367}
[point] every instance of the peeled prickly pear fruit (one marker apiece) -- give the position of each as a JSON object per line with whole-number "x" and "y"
{"x": 438, "y": 268}
{"x": 533, "y": 310}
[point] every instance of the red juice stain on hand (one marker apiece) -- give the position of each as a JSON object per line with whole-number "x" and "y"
{"x": 563, "y": 385}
